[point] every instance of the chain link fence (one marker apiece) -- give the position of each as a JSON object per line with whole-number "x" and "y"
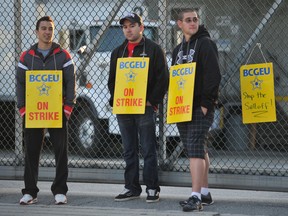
{"x": 90, "y": 30}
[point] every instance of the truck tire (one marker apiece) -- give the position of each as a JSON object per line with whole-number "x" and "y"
{"x": 84, "y": 133}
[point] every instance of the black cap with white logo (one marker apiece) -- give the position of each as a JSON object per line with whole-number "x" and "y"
{"x": 133, "y": 18}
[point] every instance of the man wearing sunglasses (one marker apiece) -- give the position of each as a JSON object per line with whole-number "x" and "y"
{"x": 198, "y": 47}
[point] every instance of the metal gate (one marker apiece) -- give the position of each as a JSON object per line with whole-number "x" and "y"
{"x": 248, "y": 156}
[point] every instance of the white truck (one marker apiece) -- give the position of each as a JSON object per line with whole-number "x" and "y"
{"x": 90, "y": 34}
{"x": 92, "y": 118}
{"x": 94, "y": 25}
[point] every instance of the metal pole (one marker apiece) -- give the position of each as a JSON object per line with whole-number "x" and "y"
{"x": 90, "y": 50}
{"x": 162, "y": 23}
{"x": 18, "y": 48}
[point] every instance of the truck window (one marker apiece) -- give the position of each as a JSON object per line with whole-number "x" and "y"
{"x": 114, "y": 37}
{"x": 77, "y": 39}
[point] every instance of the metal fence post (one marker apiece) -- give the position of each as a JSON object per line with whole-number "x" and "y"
{"x": 18, "y": 120}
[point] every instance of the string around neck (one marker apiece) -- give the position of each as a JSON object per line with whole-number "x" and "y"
{"x": 259, "y": 46}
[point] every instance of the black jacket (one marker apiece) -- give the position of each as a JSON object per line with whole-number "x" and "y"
{"x": 157, "y": 73}
{"x": 57, "y": 59}
{"x": 202, "y": 50}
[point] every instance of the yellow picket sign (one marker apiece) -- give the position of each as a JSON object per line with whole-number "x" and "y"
{"x": 131, "y": 85}
{"x": 181, "y": 93}
{"x": 43, "y": 99}
{"x": 257, "y": 93}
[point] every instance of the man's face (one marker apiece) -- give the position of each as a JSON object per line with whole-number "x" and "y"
{"x": 132, "y": 31}
{"x": 45, "y": 32}
{"x": 189, "y": 24}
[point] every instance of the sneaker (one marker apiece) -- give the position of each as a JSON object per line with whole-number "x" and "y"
{"x": 205, "y": 199}
{"x": 183, "y": 203}
{"x": 193, "y": 204}
{"x": 152, "y": 195}
{"x": 27, "y": 199}
{"x": 60, "y": 199}
{"x": 126, "y": 195}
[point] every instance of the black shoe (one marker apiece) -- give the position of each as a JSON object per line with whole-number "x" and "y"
{"x": 184, "y": 202}
{"x": 152, "y": 195}
{"x": 206, "y": 200}
{"x": 193, "y": 204}
{"x": 126, "y": 195}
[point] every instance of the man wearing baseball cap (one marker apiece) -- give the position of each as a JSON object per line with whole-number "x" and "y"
{"x": 140, "y": 128}
{"x": 133, "y": 18}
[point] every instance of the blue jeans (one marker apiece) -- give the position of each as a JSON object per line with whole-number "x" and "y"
{"x": 135, "y": 127}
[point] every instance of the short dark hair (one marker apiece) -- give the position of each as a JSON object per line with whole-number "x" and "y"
{"x": 45, "y": 18}
{"x": 187, "y": 10}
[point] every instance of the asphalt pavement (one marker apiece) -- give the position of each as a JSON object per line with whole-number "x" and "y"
{"x": 97, "y": 199}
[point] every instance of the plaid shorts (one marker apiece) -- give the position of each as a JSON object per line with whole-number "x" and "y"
{"x": 194, "y": 133}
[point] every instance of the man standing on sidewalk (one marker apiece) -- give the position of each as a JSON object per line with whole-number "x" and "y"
{"x": 198, "y": 47}
{"x": 46, "y": 56}
{"x": 135, "y": 127}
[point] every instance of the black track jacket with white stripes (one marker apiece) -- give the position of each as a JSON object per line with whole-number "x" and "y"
{"x": 57, "y": 59}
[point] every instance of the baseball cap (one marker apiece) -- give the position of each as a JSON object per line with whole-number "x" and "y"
{"x": 132, "y": 17}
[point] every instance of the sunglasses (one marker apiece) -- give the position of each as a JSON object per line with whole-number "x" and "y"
{"x": 191, "y": 19}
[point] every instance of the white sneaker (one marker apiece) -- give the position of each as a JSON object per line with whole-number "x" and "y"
{"x": 60, "y": 199}
{"x": 27, "y": 199}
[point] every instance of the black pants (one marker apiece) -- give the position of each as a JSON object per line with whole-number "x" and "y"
{"x": 33, "y": 145}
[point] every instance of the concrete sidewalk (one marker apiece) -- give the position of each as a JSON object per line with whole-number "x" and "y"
{"x": 98, "y": 200}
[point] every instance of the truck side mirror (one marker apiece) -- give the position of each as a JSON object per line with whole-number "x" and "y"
{"x": 81, "y": 50}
